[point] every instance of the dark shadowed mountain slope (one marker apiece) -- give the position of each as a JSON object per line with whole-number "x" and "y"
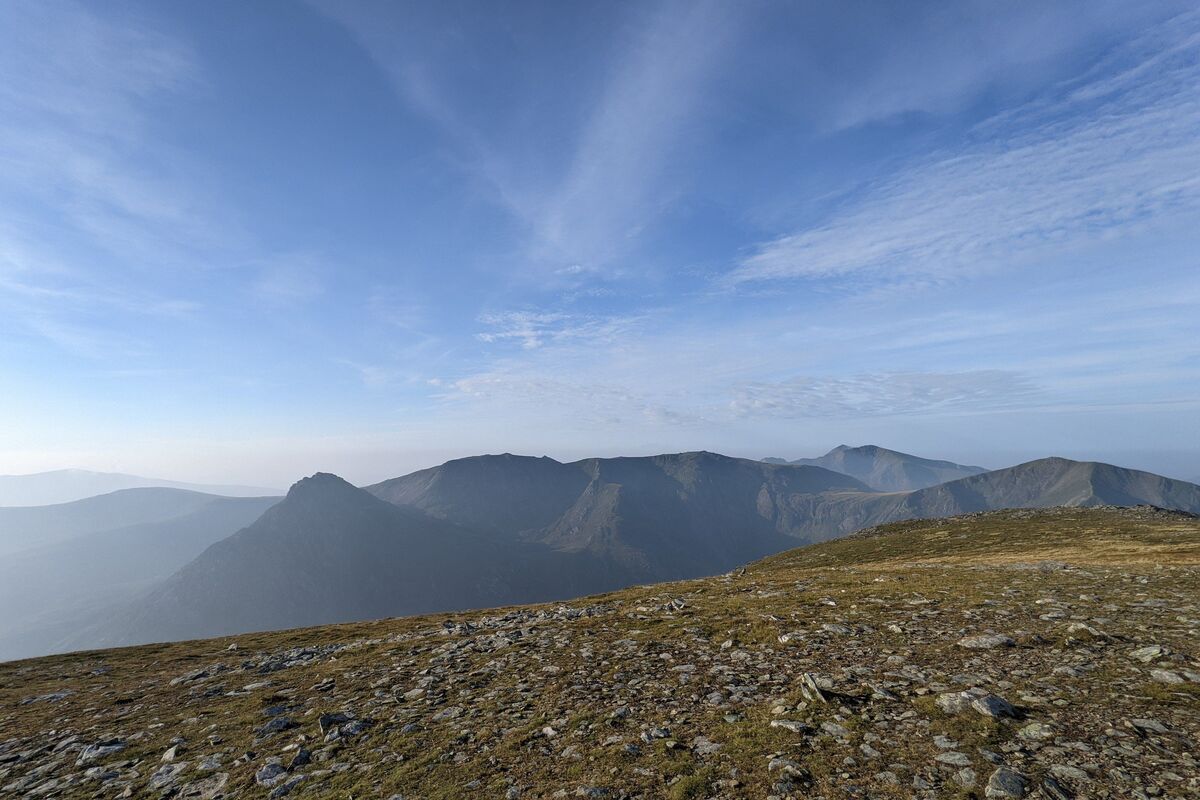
{"x": 332, "y": 552}
{"x": 49, "y": 591}
{"x": 67, "y": 485}
{"x": 656, "y": 517}
{"x": 502, "y": 493}
{"x": 510, "y": 494}
{"x": 686, "y": 514}
{"x": 38, "y": 526}
{"x": 887, "y": 470}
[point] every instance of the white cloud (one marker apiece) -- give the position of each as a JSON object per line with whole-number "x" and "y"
{"x": 583, "y": 213}
{"x": 91, "y": 204}
{"x": 581, "y": 403}
{"x": 1117, "y": 155}
{"x": 934, "y": 58}
{"x": 883, "y": 394}
{"x": 533, "y": 329}
{"x": 615, "y": 182}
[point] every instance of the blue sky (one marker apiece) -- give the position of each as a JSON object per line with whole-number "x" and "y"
{"x": 248, "y": 241}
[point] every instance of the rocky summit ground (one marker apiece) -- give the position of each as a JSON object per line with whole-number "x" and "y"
{"x": 1007, "y": 654}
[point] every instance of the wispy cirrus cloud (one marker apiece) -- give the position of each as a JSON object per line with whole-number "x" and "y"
{"x": 109, "y": 225}
{"x": 74, "y": 128}
{"x": 90, "y": 211}
{"x": 1108, "y": 155}
{"x": 584, "y": 209}
{"x": 882, "y": 394}
{"x": 520, "y": 390}
{"x": 587, "y": 403}
{"x": 615, "y": 179}
{"x": 939, "y": 57}
{"x": 533, "y": 329}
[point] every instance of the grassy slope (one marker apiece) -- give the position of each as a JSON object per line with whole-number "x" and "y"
{"x": 1135, "y": 577}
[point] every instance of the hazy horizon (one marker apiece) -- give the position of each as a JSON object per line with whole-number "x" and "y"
{"x": 365, "y": 471}
{"x": 403, "y": 234}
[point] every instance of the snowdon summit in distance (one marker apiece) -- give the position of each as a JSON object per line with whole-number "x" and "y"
{"x": 624, "y": 400}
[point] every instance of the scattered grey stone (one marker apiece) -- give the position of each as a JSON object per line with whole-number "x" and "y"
{"x": 52, "y": 697}
{"x": 274, "y": 726}
{"x": 99, "y": 750}
{"x": 1068, "y": 773}
{"x": 287, "y": 786}
{"x": 1005, "y": 784}
{"x": 354, "y": 727}
{"x": 209, "y": 788}
{"x": 330, "y": 721}
{"x": 1036, "y": 731}
{"x": 1166, "y": 676}
{"x": 953, "y": 758}
{"x": 270, "y": 774}
{"x": 986, "y": 641}
{"x": 791, "y": 725}
{"x": 1054, "y": 790}
{"x": 1149, "y": 653}
{"x": 655, "y": 733}
{"x": 785, "y": 765}
{"x": 834, "y": 729}
{"x": 1150, "y": 725}
{"x": 167, "y": 774}
{"x": 991, "y": 705}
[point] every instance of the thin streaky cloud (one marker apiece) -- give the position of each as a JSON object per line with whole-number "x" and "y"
{"x": 1125, "y": 158}
{"x": 886, "y": 394}
{"x": 615, "y": 179}
{"x": 533, "y": 329}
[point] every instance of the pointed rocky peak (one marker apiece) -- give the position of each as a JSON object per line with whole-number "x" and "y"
{"x": 323, "y": 492}
{"x": 321, "y": 483}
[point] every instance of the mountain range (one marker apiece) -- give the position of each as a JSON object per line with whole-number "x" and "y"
{"x": 153, "y": 564}
{"x": 495, "y": 530}
{"x": 65, "y": 485}
{"x": 886, "y": 470}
